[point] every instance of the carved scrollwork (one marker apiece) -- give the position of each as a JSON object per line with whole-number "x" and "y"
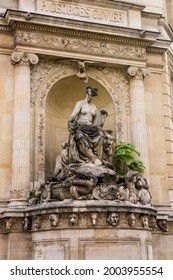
{"x": 24, "y": 58}
{"x": 138, "y": 72}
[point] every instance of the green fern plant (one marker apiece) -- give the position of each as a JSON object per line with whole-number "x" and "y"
{"x": 124, "y": 159}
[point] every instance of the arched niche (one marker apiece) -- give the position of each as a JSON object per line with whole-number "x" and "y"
{"x": 113, "y": 85}
{"x": 60, "y": 102}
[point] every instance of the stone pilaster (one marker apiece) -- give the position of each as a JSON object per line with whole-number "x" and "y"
{"x": 138, "y": 115}
{"x": 21, "y": 129}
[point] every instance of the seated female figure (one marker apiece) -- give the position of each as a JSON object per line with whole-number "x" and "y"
{"x": 86, "y": 137}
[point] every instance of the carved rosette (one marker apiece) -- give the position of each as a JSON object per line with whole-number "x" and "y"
{"x": 138, "y": 72}
{"x": 24, "y": 58}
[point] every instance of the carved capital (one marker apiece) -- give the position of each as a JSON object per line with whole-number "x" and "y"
{"x": 24, "y": 58}
{"x": 138, "y": 73}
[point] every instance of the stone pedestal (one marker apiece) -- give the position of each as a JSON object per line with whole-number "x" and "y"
{"x": 21, "y": 129}
{"x": 91, "y": 230}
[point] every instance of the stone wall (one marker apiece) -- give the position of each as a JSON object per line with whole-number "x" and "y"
{"x": 131, "y": 63}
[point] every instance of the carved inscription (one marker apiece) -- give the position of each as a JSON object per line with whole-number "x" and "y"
{"x": 82, "y": 12}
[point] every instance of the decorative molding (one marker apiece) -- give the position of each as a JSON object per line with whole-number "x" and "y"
{"x": 96, "y": 216}
{"x": 4, "y": 28}
{"x": 77, "y": 45}
{"x": 23, "y": 58}
{"x": 115, "y": 36}
{"x": 80, "y": 214}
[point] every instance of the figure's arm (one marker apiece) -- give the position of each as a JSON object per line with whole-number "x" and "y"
{"x": 95, "y": 118}
{"x": 75, "y": 113}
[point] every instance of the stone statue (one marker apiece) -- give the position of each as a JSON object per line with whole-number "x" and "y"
{"x": 84, "y": 168}
{"x": 86, "y": 136}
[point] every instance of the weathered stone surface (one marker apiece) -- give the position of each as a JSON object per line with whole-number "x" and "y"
{"x": 71, "y": 53}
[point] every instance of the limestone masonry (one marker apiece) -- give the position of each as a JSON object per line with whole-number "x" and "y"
{"x": 79, "y": 80}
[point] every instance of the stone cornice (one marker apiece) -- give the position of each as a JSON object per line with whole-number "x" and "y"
{"x": 5, "y": 28}
{"x": 44, "y": 23}
{"x": 15, "y": 21}
{"x": 160, "y": 46}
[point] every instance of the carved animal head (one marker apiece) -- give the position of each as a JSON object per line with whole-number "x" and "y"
{"x": 9, "y": 223}
{"x": 73, "y": 219}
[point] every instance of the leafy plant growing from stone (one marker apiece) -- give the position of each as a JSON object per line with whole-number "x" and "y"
{"x": 124, "y": 159}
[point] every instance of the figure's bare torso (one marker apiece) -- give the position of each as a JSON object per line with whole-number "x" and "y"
{"x": 84, "y": 112}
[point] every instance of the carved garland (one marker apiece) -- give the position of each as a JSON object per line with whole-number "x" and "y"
{"x": 47, "y": 74}
{"x": 68, "y": 43}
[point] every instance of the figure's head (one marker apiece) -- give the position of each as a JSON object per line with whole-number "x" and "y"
{"x": 90, "y": 92}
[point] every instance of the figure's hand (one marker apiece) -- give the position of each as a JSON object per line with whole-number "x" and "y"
{"x": 97, "y": 162}
{"x": 72, "y": 126}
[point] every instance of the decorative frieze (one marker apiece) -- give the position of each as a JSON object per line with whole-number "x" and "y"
{"x": 105, "y": 220}
{"x": 84, "y": 46}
